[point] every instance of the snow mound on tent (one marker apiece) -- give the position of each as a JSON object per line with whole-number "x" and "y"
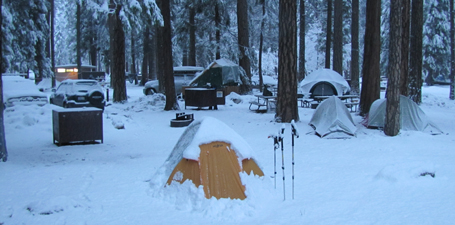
{"x": 411, "y": 116}
{"x": 200, "y": 132}
{"x": 187, "y": 197}
{"x": 332, "y": 119}
{"x": 326, "y": 75}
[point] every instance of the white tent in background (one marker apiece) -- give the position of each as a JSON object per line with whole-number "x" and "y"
{"x": 411, "y": 116}
{"x": 324, "y": 82}
{"x": 332, "y": 119}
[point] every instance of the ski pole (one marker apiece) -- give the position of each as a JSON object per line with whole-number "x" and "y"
{"x": 294, "y": 133}
{"x": 276, "y": 145}
{"x": 282, "y": 161}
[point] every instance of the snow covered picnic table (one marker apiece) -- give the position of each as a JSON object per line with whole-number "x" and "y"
{"x": 264, "y": 102}
{"x": 351, "y": 101}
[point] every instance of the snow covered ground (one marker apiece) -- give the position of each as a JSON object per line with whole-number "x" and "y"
{"x": 368, "y": 179}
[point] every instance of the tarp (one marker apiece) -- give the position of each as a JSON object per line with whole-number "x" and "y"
{"x": 211, "y": 154}
{"x": 332, "y": 119}
{"x": 220, "y": 73}
{"x": 321, "y": 76}
{"x": 411, "y": 116}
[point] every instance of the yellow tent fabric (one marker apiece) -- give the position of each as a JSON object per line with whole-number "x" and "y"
{"x": 217, "y": 170}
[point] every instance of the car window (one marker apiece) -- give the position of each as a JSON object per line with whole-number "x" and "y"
{"x": 85, "y": 85}
{"x": 61, "y": 87}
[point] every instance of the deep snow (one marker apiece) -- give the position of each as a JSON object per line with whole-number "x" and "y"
{"x": 367, "y": 179}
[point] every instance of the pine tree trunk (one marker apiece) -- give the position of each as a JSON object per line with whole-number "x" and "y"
{"x": 372, "y": 48}
{"x": 302, "y": 60}
{"x": 78, "y": 38}
{"x": 217, "y": 32}
{"x": 355, "y": 48}
{"x": 159, "y": 56}
{"x": 392, "y": 120}
{"x": 338, "y": 37}
{"x": 404, "y": 83}
{"x": 243, "y": 35}
{"x": 168, "y": 70}
{"x": 192, "y": 50}
{"x": 452, "y": 53}
{"x": 152, "y": 55}
{"x": 261, "y": 45}
{"x": 133, "y": 53}
{"x": 146, "y": 53}
{"x": 416, "y": 55}
{"x": 118, "y": 56}
{"x": 3, "y": 150}
{"x": 39, "y": 59}
{"x": 52, "y": 42}
{"x": 328, "y": 39}
{"x": 286, "y": 109}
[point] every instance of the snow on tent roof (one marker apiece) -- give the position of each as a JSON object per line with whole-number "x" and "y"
{"x": 332, "y": 119}
{"x": 326, "y": 75}
{"x": 205, "y": 131}
{"x": 221, "y": 62}
{"x": 411, "y": 116}
{"x": 221, "y": 72}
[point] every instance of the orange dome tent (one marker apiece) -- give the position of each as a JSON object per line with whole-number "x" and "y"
{"x": 211, "y": 154}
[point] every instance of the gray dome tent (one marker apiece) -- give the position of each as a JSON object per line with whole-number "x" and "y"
{"x": 411, "y": 116}
{"x": 332, "y": 119}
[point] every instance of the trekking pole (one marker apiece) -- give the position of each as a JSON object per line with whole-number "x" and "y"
{"x": 276, "y": 145}
{"x": 282, "y": 160}
{"x": 294, "y": 133}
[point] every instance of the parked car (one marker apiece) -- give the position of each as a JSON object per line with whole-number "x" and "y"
{"x": 20, "y": 91}
{"x": 78, "y": 93}
{"x": 182, "y": 77}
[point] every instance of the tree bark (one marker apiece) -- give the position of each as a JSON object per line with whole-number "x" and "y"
{"x": 452, "y": 53}
{"x": 168, "y": 69}
{"x": 392, "y": 120}
{"x": 372, "y": 48}
{"x": 286, "y": 109}
{"x": 338, "y": 37}
{"x": 302, "y": 60}
{"x": 261, "y": 46}
{"x": 328, "y": 39}
{"x": 159, "y": 56}
{"x": 355, "y": 48}
{"x": 146, "y": 53}
{"x": 153, "y": 71}
{"x": 78, "y": 38}
{"x": 243, "y": 35}
{"x": 118, "y": 56}
{"x": 52, "y": 43}
{"x": 192, "y": 50}
{"x": 416, "y": 54}
{"x": 217, "y": 32}
{"x": 133, "y": 53}
{"x": 404, "y": 83}
{"x": 3, "y": 150}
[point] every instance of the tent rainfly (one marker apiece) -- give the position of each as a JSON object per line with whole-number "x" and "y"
{"x": 411, "y": 116}
{"x": 211, "y": 154}
{"x": 324, "y": 82}
{"x": 221, "y": 73}
{"x": 332, "y": 119}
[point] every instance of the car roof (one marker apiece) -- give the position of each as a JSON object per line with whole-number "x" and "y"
{"x": 79, "y": 80}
